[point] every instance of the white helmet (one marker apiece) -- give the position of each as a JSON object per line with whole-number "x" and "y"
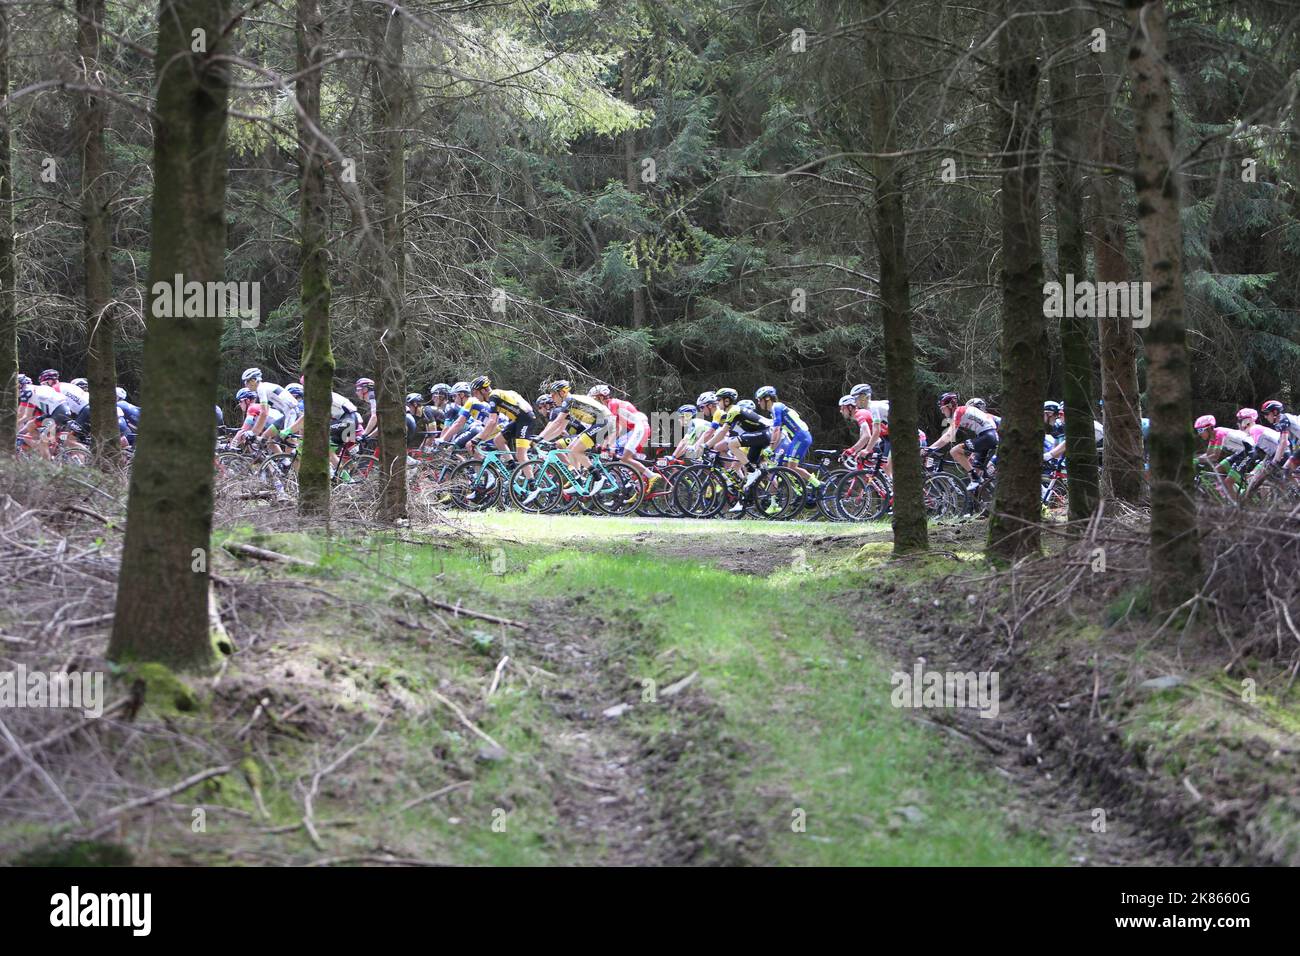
{"x": 80, "y": 383}
{"x": 121, "y": 394}
{"x": 251, "y": 373}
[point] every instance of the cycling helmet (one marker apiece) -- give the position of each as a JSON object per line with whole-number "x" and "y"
{"x": 978, "y": 403}
{"x": 442, "y": 388}
{"x": 294, "y": 389}
{"x": 544, "y": 399}
{"x": 365, "y": 383}
{"x": 25, "y": 395}
{"x": 846, "y": 400}
{"x": 863, "y": 389}
{"x": 766, "y": 391}
{"x": 23, "y": 379}
{"x": 460, "y": 387}
{"x": 730, "y": 393}
{"x": 251, "y": 373}
{"x": 1271, "y": 406}
{"x": 245, "y": 393}
{"x": 481, "y": 382}
{"x": 414, "y": 398}
{"x": 80, "y": 383}
{"x": 49, "y": 375}
{"x": 121, "y": 394}
{"x": 601, "y": 390}
{"x": 1052, "y": 407}
{"x": 1248, "y": 413}
{"x": 746, "y": 404}
{"x": 559, "y": 385}
{"x": 949, "y": 398}
{"x": 1205, "y": 421}
{"x": 707, "y": 398}
{"x": 686, "y": 410}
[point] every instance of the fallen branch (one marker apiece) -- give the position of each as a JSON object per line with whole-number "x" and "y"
{"x": 162, "y": 794}
{"x": 441, "y": 791}
{"x": 261, "y": 554}
{"x": 460, "y": 714}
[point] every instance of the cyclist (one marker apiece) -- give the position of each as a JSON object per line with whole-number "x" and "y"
{"x": 128, "y": 420}
{"x": 694, "y": 426}
{"x": 517, "y": 412}
{"x": 707, "y": 406}
{"x": 1266, "y": 443}
{"x": 470, "y": 417}
{"x": 544, "y": 407}
{"x": 629, "y": 435}
{"x": 584, "y": 419}
{"x": 1288, "y": 426}
{"x": 722, "y": 436}
{"x": 414, "y": 420}
{"x": 744, "y": 427}
{"x": 972, "y": 453}
{"x": 255, "y": 415}
{"x": 365, "y": 389}
{"x": 269, "y": 396}
{"x": 879, "y": 424}
{"x": 1226, "y": 449}
{"x": 439, "y": 408}
{"x": 790, "y": 436}
{"x": 863, "y": 418}
{"x": 295, "y": 390}
{"x": 47, "y": 413}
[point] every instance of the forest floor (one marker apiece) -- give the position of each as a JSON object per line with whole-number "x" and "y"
{"x": 641, "y": 691}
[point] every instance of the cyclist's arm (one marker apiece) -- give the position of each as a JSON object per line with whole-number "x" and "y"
{"x": 944, "y": 441}
{"x": 865, "y": 439}
{"x": 490, "y": 427}
{"x": 554, "y": 427}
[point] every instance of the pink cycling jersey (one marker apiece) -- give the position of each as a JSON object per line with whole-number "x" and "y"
{"x": 1265, "y": 438}
{"x": 1230, "y": 440}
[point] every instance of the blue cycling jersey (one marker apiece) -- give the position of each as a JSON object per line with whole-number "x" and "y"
{"x": 131, "y": 412}
{"x": 783, "y": 416}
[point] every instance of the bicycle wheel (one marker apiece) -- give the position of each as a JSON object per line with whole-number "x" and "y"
{"x": 622, "y": 490}
{"x": 861, "y": 497}
{"x": 472, "y": 486}
{"x": 943, "y": 495}
{"x": 775, "y": 495}
{"x": 535, "y": 494}
{"x": 662, "y": 499}
{"x": 279, "y": 473}
{"x": 700, "y": 491}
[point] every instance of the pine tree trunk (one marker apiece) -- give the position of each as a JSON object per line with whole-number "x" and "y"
{"x": 1123, "y": 467}
{"x": 1175, "y": 548}
{"x": 632, "y": 171}
{"x": 1071, "y": 239}
{"x": 389, "y": 97}
{"x": 314, "y": 280}
{"x": 162, "y": 594}
{"x": 909, "y": 518}
{"x": 1014, "y": 527}
{"x": 101, "y": 322}
{"x": 8, "y": 265}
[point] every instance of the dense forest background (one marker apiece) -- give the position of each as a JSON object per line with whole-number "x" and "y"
{"x": 664, "y": 196}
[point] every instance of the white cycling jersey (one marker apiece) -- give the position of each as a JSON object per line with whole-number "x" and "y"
{"x": 340, "y": 407}
{"x": 46, "y": 399}
{"x": 1289, "y": 425}
{"x": 276, "y": 397}
{"x": 75, "y": 396}
{"x": 879, "y": 411}
{"x": 1265, "y": 438}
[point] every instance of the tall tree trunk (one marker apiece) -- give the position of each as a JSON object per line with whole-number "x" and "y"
{"x": 101, "y": 322}
{"x": 632, "y": 169}
{"x": 389, "y": 97}
{"x": 1071, "y": 239}
{"x": 1014, "y": 527}
{"x": 314, "y": 280}
{"x": 8, "y": 265}
{"x": 1175, "y": 550}
{"x": 909, "y": 518}
{"x": 162, "y": 594}
{"x": 1122, "y": 475}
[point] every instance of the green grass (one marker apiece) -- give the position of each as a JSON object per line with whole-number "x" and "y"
{"x": 807, "y": 697}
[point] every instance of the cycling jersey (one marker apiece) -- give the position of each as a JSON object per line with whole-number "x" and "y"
{"x": 414, "y": 437}
{"x": 1265, "y": 438}
{"x": 695, "y": 428}
{"x": 626, "y": 414}
{"x": 474, "y": 410}
{"x": 1230, "y": 440}
{"x": 48, "y": 401}
{"x": 880, "y": 412}
{"x": 507, "y": 404}
{"x": 744, "y": 421}
{"x": 75, "y": 396}
{"x": 787, "y": 419}
{"x": 274, "y": 417}
{"x": 276, "y": 397}
{"x": 1289, "y": 424}
{"x": 130, "y": 412}
{"x": 971, "y": 419}
{"x": 340, "y": 407}
{"x": 584, "y": 413}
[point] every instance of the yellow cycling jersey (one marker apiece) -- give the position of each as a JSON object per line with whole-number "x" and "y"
{"x": 584, "y": 412}
{"x": 509, "y": 405}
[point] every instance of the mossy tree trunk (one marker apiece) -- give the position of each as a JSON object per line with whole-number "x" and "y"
{"x": 909, "y": 518}
{"x": 1014, "y": 527}
{"x": 101, "y": 321}
{"x": 1175, "y": 550}
{"x": 162, "y": 596}
{"x": 314, "y": 288}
